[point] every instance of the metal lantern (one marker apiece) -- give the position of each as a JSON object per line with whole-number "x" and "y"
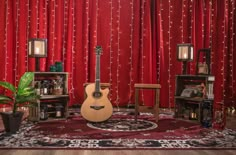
{"x": 185, "y": 54}
{"x": 37, "y": 48}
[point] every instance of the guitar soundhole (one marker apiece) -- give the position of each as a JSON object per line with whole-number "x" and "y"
{"x": 97, "y": 94}
{"x": 97, "y": 107}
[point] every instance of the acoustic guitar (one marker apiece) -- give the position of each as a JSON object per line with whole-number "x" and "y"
{"x": 96, "y": 107}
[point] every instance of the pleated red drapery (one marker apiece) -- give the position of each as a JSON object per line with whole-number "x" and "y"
{"x": 205, "y": 24}
{"x": 138, "y": 38}
{"x": 73, "y": 29}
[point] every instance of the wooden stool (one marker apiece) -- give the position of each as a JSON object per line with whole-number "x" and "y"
{"x": 103, "y": 85}
{"x": 155, "y": 87}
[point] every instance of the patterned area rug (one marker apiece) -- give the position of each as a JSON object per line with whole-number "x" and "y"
{"x": 74, "y": 133}
{"x": 124, "y": 125}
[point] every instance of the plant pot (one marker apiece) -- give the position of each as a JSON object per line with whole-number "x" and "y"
{"x": 12, "y": 122}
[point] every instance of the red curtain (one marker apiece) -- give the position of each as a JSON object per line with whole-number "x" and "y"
{"x": 138, "y": 38}
{"x": 205, "y": 24}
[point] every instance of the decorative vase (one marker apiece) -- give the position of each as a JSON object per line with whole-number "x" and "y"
{"x": 53, "y": 68}
{"x": 59, "y": 67}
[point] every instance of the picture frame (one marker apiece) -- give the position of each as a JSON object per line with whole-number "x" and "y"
{"x": 203, "y": 67}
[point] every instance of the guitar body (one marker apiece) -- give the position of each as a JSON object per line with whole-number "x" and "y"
{"x": 96, "y": 107}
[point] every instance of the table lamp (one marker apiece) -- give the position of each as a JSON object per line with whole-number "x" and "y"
{"x": 37, "y": 48}
{"x": 185, "y": 54}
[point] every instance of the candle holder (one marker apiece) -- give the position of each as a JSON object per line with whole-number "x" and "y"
{"x": 184, "y": 54}
{"x": 37, "y": 48}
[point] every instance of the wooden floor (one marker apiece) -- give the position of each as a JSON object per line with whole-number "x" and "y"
{"x": 230, "y": 123}
{"x": 113, "y": 152}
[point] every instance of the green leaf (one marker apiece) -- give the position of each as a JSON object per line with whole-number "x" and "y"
{"x": 8, "y": 86}
{"x": 25, "y": 80}
{"x": 25, "y": 94}
{"x": 26, "y": 91}
{"x": 29, "y": 98}
{"x": 5, "y": 99}
{"x": 31, "y": 104}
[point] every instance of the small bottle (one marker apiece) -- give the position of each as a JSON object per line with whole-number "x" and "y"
{"x": 45, "y": 87}
{"x": 50, "y": 88}
{"x": 58, "y": 111}
{"x": 37, "y": 88}
{"x": 43, "y": 113}
{"x": 41, "y": 88}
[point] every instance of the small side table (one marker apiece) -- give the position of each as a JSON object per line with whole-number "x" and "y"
{"x": 155, "y": 87}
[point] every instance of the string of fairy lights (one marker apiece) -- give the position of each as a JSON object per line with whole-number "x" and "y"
{"x": 161, "y": 42}
{"x": 233, "y": 41}
{"x": 17, "y": 42}
{"x": 53, "y": 31}
{"x": 72, "y": 50}
{"x": 44, "y": 19}
{"x": 142, "y": 46}
{"x": 233, "y": 45}
{"x": 118, "y": 56}
{"x": 35, "y": 35}
{"x": 169, "y": 51}
{"x": 5, "y": 44}
{"x": 96, "y": 23}
{"x": 5, "y": 41}
{"x": 223, "y": 50}
{"x": 211, "y": 32}
{"x": 203, "y": 22}
{"x": 86, "y": 48}
{"x": 37, "y": 17}
{"x": 65, "y": 21}
{"x": 45, "y": 24}
{"x": 37, "y": 20}
{"x": 203, "y": 25}
{"x": 232, "y": 48}
{"x": 131, "y": 51}
{"x": 110, "y": 46}
{"x": 182, "y": 22}
{"x": 191, "y": 29}
{"x": 27, "y": 34}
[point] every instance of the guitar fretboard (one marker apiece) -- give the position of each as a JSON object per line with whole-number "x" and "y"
{"x": 97, "y": 78}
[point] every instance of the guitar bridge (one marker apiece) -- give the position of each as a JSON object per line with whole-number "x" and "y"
{"x": 97, "y": 107}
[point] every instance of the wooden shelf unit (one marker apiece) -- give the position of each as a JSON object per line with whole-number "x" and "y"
{"x": 50, "y": 99}
{"x": 196, "y": 108}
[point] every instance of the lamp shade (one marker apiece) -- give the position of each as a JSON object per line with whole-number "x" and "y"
{"x": 37, "y": 47}
{"x": 184, "y": 52}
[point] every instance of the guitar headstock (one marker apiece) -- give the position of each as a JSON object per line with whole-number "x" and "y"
{"x": 98, "y": 50}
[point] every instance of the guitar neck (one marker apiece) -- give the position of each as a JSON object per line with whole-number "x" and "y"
{"x": 97, "y": 78}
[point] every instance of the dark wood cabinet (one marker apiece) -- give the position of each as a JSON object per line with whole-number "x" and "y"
{"x": 53, "y": 90}
{"x": 194, "y": 98}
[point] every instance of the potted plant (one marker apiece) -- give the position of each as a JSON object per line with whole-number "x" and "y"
{"x": 22, "y": 95}
{"x": 58, "y": 85}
